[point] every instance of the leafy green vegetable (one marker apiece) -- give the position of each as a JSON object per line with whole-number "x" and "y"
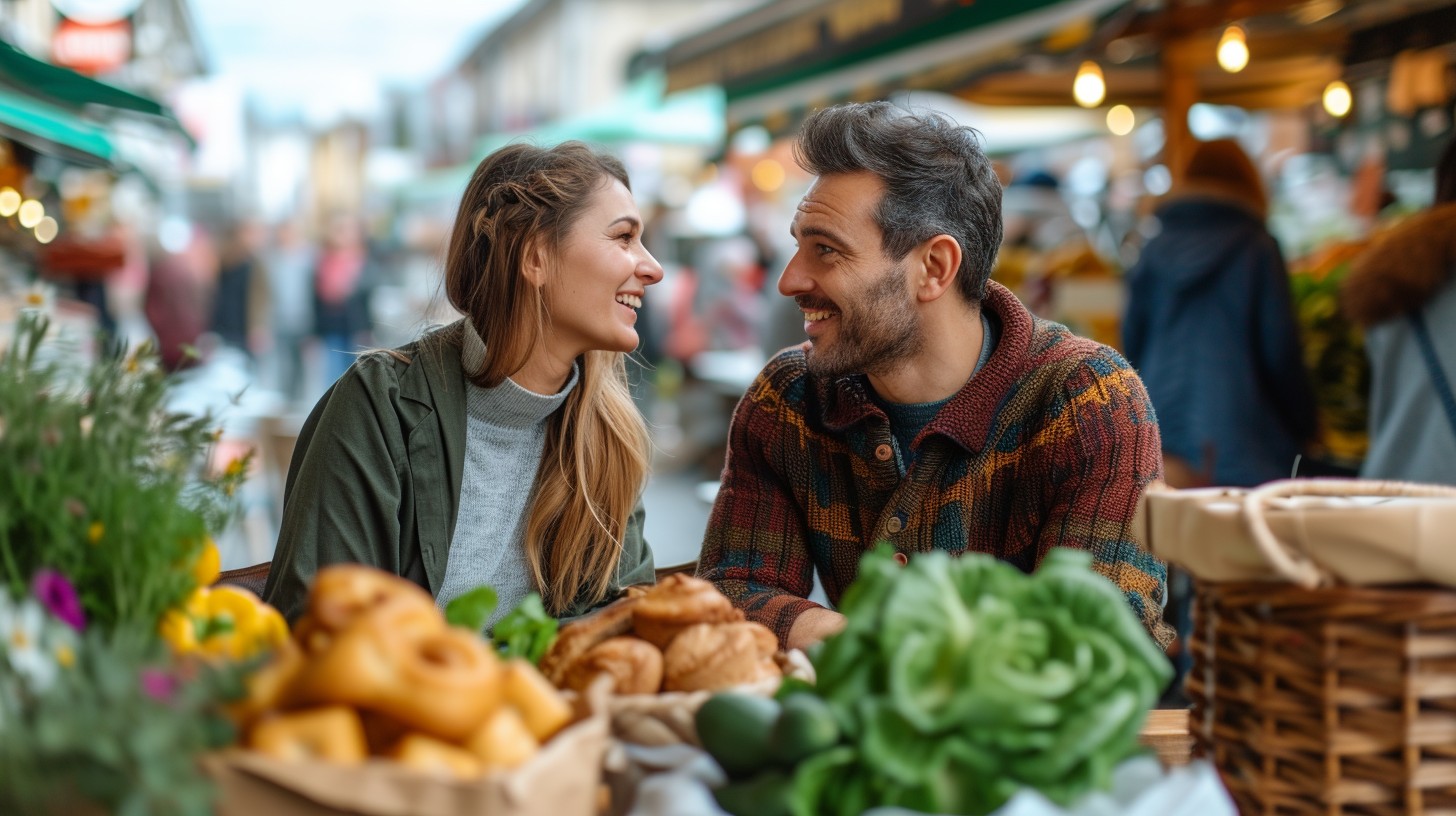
{"x": 959, "y": 681}
{"x": 471, "y": 610}
{"x": 526, "y": 631}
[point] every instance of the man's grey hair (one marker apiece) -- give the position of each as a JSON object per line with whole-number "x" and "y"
{"x": 937, "y": 179}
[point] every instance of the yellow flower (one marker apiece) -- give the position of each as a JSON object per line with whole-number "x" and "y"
{"x": 208, "y": 565}
{"x": 235, "y": 467}
{"x": 177, "y": 629}
{"x": 65, "y": 656}
{"x": 95, "y": 532}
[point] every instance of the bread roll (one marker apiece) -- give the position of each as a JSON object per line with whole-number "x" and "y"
{"x": 675, "y": 604}
{"x": 634, "y": 665}
{"x": 709, "y": 657}
{"x": 578, "y": 637}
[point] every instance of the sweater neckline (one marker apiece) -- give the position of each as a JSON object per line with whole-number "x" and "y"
{"x": 508, "y": 404}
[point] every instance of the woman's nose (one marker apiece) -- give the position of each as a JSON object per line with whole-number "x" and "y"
{"x": 649, "y": 269}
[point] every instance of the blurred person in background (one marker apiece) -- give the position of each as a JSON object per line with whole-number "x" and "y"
{"x": 503, "y": 449}
{"x": 341, "y": 295}
{"x": 929, "y": 409}
{"x": 1400, "y": 290}
{"x": 1210, "y": 328}
{"x": 176, "y": 301}
{"x": 289, "y": 263}
{"x": 732, "y": 314}
{"x": 240, "y": 296}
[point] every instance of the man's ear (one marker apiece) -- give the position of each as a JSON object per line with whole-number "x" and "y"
{"x": 534, "y": 264}
{"x": 940, "y": 262}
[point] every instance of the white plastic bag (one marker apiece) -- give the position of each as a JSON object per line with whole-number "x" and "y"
{"x": 1140, "y": 787}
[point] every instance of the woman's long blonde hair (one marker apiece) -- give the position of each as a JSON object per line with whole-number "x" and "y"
{"x": 524, "y": 199}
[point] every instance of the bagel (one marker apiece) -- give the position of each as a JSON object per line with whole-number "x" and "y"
{"x": 431, "y": 756}
{"x": 343, "y": 592}
{"x": 404, "y": 662}
{"x": 332, "y": 734}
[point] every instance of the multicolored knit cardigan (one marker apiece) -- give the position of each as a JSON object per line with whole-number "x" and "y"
{"x": 1049, "y": 445}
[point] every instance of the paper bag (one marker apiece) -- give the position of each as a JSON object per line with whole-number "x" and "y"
{"x": 562, "y": 780}
{"x": 1311, "y": 532}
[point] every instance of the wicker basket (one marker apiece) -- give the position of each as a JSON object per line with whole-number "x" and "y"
{"x": 1327, "y": 701}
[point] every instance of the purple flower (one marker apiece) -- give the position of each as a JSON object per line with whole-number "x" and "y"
{"x": 158, "y": 685}
{"x": 56, "y": 594}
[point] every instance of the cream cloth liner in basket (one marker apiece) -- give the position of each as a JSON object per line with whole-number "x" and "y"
{"x": 1311, "y": 532}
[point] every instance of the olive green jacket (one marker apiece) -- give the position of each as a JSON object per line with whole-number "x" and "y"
{"x": 376, "y": 475}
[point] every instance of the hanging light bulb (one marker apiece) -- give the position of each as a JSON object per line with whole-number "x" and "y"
{"x": 1088, "y": 88}
{"x": 1233, "y": 49}
{"x": 46, "y": 230}
{"x": 31, "y": 212}
{"x": 9, "y": 201}
{"x": 1337, "y": 99}
{"x": 1120, "y": 120}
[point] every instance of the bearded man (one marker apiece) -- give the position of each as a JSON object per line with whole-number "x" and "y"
{"x": 929, "y": 408}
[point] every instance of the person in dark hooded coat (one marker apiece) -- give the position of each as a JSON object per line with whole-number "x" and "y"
{"x": 1210, "y": 328}
{"x": 1402, "y": 287}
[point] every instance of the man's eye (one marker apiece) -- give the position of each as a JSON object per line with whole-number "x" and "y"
{"x": 822, "y": 249}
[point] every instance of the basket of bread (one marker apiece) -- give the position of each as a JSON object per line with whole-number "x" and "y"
{"x": 662, "y": 651}
{"x": 378, "y": 706}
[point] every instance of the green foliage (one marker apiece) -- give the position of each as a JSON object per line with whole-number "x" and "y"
{"x": 471, "y": 610}
{"x": 959, "y": 681}
{"x": 113, "y": 727}
{"x": 526, "y": 631}
{"x": 99, "y": 481}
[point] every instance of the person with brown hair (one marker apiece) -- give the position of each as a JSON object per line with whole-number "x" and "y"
{"x": 1210, "y": 328}
{"x": 503, "y": 449}
{"x": 1401, "y": 291}
{"x": 929, "y": 409}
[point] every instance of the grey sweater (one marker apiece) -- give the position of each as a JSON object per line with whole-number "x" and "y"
{"x": 505, "y": 433}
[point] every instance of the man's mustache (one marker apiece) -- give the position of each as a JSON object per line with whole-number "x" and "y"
{"x": 808, "y": 304}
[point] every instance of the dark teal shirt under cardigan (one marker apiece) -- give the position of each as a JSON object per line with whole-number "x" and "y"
{"x": 376, "y": 475}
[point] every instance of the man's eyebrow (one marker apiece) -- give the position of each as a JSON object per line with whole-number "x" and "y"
{"x": 801, "y": 233}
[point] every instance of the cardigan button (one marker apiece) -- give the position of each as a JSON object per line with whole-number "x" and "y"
{"x": 895, "y": 525}
{"x": 901, "y": 558}
{"x": 884, "y": 452}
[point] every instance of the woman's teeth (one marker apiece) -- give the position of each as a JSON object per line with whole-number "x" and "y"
{"x": 814, "y": 317}
{"x": 630, "y": 300}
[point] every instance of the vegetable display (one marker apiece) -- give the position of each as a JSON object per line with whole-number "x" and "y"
{"x": 956, "y": 683}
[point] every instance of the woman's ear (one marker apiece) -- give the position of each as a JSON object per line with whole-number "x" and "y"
{"x": 940, "y": 262}
{"x": 534, "y": 265}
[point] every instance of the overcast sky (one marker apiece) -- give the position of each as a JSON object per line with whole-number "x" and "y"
{"x": 327, "y": 58}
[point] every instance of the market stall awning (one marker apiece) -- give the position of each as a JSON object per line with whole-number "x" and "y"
{"x": 66, "y": 87}
{"x": 53, "y": 130}
{"x": 53, "y": 85}
{"x": 782, "y": 58}
{"x": 642, "y": 113}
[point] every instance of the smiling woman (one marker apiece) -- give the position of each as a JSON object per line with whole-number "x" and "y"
{"x": 503, "y": 449}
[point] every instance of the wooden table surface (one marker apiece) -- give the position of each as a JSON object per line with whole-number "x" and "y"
{"x": 1166, "y": 732}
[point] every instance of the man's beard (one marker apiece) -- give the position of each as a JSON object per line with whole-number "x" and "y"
{"x": 880, "y": 330}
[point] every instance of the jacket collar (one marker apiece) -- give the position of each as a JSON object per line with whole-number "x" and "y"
{"x": 434, "y": 384}
{"x": 967, "y": 418}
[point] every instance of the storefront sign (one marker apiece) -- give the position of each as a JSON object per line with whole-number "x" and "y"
{"x": 92, "y": 49}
